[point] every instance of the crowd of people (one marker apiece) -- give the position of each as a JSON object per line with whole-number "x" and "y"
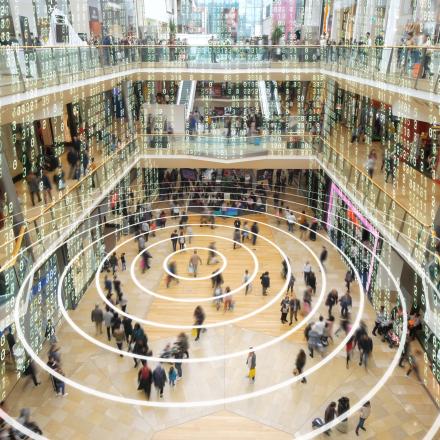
{"x": 319, "y": 334}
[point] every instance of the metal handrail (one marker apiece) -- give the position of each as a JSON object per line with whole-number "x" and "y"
{"x": 20, "y": 236}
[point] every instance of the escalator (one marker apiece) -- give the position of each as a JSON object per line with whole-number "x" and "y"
{"x": 186, "y": 94}
{"x": 269, "y": 99}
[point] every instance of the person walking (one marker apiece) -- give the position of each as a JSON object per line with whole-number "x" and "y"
{"x": 47, "y": 187}
{"x": 345, "y": 303}
{"x": 146, "y": 257}
{"x": 97, "y": 317}
{"x": 307, "y": 301}
{"x": 294, "y": 306}
{"x": 50, "y": 334}
{"x": 34, "y": 187}
{"x": 246, "y": 278}
{"x": 300, "y": 364}
{"x": 332, "y": 300}
{"x": 128, "y": 328}
{"x": 199, "y": 318}
{"x": 237, "y": 238}
{"x": 349, "y": 347}
{"x": 123, "y": 261}
{"x": 245, "y": 232}
{"x": 145, "y": 379}
{"x": 58, "y": 384}
{"x": 182, "y": 240}
{"x": 159, "y": 379}
{"x": 323, "y": 257}
{"x": 371, "y": 165}
{"x": 291, "y": 220}
{"x": 117, "y": 284}
{"x": 172, "y": 376}
{"x": 312, "y": 281}
{"x": 364, "y": 413}
{"x": 31, "y": 370}
{"x": 380, "y": 319}
{"x": 303, "y": 225}
{"x": 122, "y": 302}
{"x": 139, "y": 347}
{"x": 255, "y": 230}
{"x": 265, "y": 282}
{"x": 251, "y": 362}
{"x": 108, "y": 285}
{"x": 189, "y": 233}
{"x": 119, "y": 335}
{"x": 365, "y": 348}
{"x": 145, "y": 229}
{"x": 306, "y": 270}
{"x": 329, "y": 415}
{"x": 348, "y": 279}
{"x": 171, "y": 275}
{"x": 211, "y": 254}
{"x": 108, "y": 318}
{"x": 174, "y": 237}
{"x": 291, "y": 283}
{"x": 284, "y": 309}
{"x": 114, "y": 264}
{"x": 194, "y": 262}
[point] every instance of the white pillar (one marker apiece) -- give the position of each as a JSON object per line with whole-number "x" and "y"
{"x": 312, "y": 19}
{"x": 391, "y": 37}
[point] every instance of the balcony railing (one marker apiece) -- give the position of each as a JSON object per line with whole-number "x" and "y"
{"x": 25, "y": 68}
{"x": 403, "y": 226}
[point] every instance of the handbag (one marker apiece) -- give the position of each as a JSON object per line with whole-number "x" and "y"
{"x": 190, "y": 268}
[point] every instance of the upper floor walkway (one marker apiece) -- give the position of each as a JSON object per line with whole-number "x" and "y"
{"x": 407, "y": 223}
{"x": 28, "y": 71}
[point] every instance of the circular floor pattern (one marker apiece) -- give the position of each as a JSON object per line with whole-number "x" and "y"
{"x": 353, "y": 409}
{"x": 189, "y": 250}
{"x": 193, "y": 300}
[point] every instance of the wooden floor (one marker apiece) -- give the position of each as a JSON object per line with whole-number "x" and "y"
{"x": 402, "y": 409}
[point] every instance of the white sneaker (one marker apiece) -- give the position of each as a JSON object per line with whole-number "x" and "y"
{"x": 65, "y": 394}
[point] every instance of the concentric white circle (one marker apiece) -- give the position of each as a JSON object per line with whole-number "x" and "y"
{"x": 248, "y": 395}
{"x": 192, "y": 300}
{"x": 206, "y": 326}
{"x": 190, "y": 250}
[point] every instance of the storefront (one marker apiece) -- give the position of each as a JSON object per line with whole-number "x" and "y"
{"x": 343, "y": 216}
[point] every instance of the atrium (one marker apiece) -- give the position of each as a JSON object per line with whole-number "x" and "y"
{"x": 219, "y": 219}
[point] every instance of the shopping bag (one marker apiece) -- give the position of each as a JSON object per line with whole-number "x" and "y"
{"x": 190, "y": 268}
{"x": 416, "y": 70}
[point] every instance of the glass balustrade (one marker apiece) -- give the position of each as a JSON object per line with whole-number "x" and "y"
{"x": 43, "y": 230}
{"x": 25, "y": 68}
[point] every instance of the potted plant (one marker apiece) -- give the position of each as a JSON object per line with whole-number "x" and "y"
{"x": 277, "y": 33}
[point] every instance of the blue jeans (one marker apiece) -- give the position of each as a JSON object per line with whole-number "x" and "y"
{"x": 60, "y": 388}
{"x": 364, "y": 358}
{"x": 360, "y": 424}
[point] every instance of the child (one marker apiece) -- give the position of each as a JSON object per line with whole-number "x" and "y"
{"x": 123, "y": 261}
{"x": 246, "y": 279}
{"x": 172, "y": 376}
